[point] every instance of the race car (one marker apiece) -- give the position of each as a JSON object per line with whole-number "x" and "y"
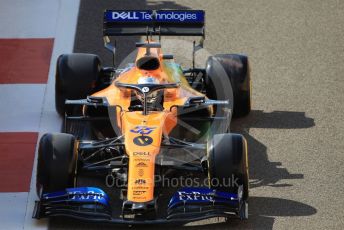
{"x": 127, "y": 131}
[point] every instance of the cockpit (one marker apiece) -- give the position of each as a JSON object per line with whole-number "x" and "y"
{"x": 147, "y": 94}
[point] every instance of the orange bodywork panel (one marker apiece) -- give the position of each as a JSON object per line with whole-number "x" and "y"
{"x": 143, "y": 133}
{"x": 142, "y": 150}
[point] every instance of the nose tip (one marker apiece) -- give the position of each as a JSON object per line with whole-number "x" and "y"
{"x": 138, "y": 207}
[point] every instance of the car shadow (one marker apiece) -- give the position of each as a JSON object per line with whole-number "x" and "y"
{"x": 264, "y": 210}
{"x": 264, "y": 172}
{"x": 273, "y": 120}
{"x": 262, "y": 213}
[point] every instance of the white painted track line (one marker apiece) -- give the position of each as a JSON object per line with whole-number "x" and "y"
{"x": 14, "y": 215}
{"x": 50, "y": 121}
{"x": 28, "y": 19}
{"x": 22, "y": 113}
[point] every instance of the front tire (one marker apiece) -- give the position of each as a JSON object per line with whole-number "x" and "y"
{"x": 57, "y": 162}
{"x": 227, "y": 163}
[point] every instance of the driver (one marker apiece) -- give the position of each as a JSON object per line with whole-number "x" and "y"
{"x": 154, "y": 99}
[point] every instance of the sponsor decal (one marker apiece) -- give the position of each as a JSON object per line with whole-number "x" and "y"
{"x": 140, "y": 181}
{"x": 160, "y": 16}
{"x": 145, "y": 89}
{"x": 138, "y": 193}
{"x": 194, "y": 196}
{"x": 143, "y": 140}
{"x": 91, "y": 195}
{"x": 143, "y": 130}
{"x": 141, "y": 172}
{"x": 177, "y": 16}
{"x": 141, "y": 153}
{"x": 125, "y": 15}
{"x": 139, "y": 197}
{"x": 141, "y": 165}
{"x": 140, "y": 187}
{"x": 141, "y": 159}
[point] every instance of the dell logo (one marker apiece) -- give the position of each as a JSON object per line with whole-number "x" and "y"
{"x": 124, "y": 15}
{"x": 141, "y": 154}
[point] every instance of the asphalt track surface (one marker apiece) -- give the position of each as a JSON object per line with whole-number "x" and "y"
{"x": 295, "y": 131}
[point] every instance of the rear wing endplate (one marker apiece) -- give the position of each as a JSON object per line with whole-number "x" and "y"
{"x": 151, "y": 22}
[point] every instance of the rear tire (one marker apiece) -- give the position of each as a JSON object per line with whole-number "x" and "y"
{"x": 227, "y": 162}
{"x": 57, "y": 162}
{"x": 236, "y": 68}
{"x": 76, "y": 77}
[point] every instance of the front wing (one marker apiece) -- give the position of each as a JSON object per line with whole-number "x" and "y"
{"x": 93, "y": 204}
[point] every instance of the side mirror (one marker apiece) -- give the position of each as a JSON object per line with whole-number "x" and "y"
{"x": 196, "y": 100}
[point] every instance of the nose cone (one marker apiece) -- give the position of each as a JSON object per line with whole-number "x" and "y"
{"x": 139, "y": 207}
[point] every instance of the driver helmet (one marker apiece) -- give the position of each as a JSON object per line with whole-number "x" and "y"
{"x": 152, "y": 97}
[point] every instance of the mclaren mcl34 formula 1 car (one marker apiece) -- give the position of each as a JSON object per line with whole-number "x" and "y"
{"x": 129, "y": 132}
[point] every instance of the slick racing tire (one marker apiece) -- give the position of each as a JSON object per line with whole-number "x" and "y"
{"x": 236, "y": 68}
{"x": 57, "y": 162}
{"x": 76, "y": 77}
{"x": 227, "y": 163}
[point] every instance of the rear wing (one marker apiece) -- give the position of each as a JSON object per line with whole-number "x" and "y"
{"x": 151, "y": 22}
